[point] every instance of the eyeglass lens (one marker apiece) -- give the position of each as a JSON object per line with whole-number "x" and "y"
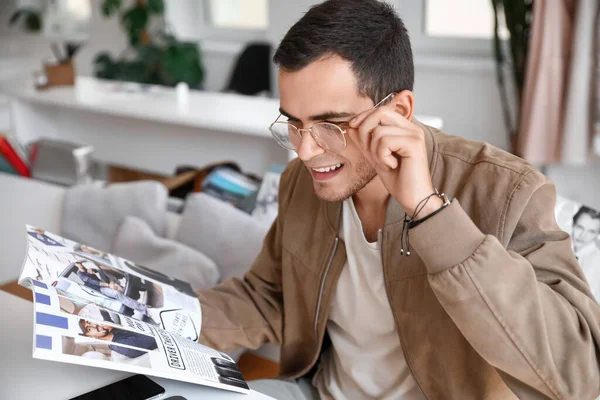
{"x": 328, "y": 136}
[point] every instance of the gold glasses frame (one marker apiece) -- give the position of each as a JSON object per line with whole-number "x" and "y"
{"x": 314, "y": 135}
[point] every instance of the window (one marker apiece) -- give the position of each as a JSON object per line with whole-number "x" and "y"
{"x": 236, "y": 14}
{"x": 461, "y": 19}
{"x": 67, "y": 20}
{"x": 222, "y": 20}
{"x": 460, "y": 30}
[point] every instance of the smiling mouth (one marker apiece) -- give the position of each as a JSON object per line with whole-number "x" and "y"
{"x": 326, "y": 173}
{"x": 328, "y": 169}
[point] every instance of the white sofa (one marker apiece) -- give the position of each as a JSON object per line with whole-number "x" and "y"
{"x": 28, "y": 201}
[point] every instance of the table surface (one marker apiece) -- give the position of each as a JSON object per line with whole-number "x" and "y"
{"x": 23, "y": 377}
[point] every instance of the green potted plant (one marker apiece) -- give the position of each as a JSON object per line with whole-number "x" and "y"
{"x": 153, "y": 57}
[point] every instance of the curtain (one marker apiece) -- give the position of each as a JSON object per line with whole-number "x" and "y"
{"x": 580, "y": 95}
{"x": 542, "y": 107}
{"x": 560, "y": 111}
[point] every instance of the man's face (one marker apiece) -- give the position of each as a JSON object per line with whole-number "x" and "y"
{"x": 585, "y": 230}
{"x": 96, "y": 331}
{"x": 326, "y": 90}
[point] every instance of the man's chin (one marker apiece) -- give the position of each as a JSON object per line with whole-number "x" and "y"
{"x": 329, "y": 194}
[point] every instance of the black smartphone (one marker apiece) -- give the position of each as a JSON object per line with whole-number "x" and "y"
{"x": 136, "y": 387}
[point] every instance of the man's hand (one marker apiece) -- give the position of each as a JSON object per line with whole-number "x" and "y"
{"x": 396, "y": 148}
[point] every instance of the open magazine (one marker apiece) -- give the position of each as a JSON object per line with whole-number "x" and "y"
{"x": 96, "y": 309}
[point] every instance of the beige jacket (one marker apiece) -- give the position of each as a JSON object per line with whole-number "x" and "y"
{"x": 490, "y": 305}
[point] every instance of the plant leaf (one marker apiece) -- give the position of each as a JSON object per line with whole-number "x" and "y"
{"x": 33, "y": 22}
{"x": 181, "y": 63}
{"x": 148, "y": 53}
{"x": 156, "y": 6}
{"x": 104, "y": 66}
{"x": 110, "y": 7}
{"x": 31, "y": 18}
{"x": 134, "y": 21}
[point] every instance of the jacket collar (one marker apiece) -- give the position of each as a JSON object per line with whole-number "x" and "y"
{"x": 395, "y": 212}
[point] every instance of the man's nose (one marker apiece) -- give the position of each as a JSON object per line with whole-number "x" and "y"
{"x": 308, "y": 146}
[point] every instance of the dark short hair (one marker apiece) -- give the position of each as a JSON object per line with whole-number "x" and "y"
{"x": 595, "y": 214}
{"x": 368, "y": 33}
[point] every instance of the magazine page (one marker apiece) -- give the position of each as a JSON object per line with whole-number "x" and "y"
{"x": 68, "y": 330}
{"x": 583, "y": 224}
{"x": 267, "y": 200}
{"x": 112, "y": 282}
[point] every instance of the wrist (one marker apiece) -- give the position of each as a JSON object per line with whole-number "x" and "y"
{"x": 434, "y": 204}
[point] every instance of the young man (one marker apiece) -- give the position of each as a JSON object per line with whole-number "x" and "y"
{"x": 101, "y": 283}
{"x": 490, "y": 303}
{"x": 118, "y": 336}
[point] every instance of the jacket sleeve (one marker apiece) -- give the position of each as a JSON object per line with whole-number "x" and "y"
{"x": 247, "y": 312}
{"x": 525, "y": 306}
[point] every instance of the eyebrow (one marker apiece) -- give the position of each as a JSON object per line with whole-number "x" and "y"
{"x": 319, "y": 117}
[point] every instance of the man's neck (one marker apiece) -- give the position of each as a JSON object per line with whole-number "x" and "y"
{"x": 108, "y": 337}
{"x": 371, "y": 205}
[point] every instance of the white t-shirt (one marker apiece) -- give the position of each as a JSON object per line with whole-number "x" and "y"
{"x": 365, "y": 360}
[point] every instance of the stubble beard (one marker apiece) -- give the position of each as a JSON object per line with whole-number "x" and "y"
{"x": 364, "y": 174}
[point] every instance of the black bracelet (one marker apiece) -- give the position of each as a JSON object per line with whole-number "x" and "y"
{"x": 412, "y": 223}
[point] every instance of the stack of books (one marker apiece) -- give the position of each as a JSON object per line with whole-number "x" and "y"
{"x": 13, "y": 157}
{"x": 230, "y": 186}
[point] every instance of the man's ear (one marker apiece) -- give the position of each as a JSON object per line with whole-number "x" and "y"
{"x": 404, "y": 104}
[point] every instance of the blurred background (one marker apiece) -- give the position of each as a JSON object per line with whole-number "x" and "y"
{"x": 461, "y": 49}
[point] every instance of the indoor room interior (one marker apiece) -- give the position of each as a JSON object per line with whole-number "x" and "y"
{"x": 142, "y": 127}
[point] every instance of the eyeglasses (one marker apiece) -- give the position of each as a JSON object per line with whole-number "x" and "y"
{"x": 329, "y": 136}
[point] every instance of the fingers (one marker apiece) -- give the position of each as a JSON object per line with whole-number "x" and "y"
{"x": 383, "y": 146}
{"x": 356, "y": 121}
{"x": 385, "y": 137}
{"x": 367, "y": 122}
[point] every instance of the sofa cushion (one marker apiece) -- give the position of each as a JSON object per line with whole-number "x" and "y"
{"x": 24, "y": 201}
{"x": 227, "y": 235}
{"x": 137, "y": 242}
{"x": 92, "y": 213}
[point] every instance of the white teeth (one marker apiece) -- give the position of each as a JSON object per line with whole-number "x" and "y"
{"x": 327, "y": 169}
